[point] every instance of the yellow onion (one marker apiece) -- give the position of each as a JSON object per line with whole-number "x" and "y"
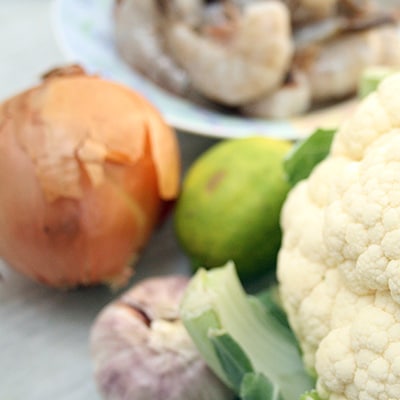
{"x": 86, "y": 168}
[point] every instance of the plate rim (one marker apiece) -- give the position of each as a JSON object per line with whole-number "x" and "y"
{"x": 293, "y": 128}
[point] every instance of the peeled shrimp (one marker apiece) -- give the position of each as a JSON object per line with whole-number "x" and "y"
{"x": 293, "y": 98}
{"x": 334, "y": 68}
{"x": 239, "y": 55}
{"x": 320, "y": 31}
{"x": 137, "y": 25}
{"x": 305, "y": 11}
{"x": 387, "y": 45}
{"x": 308, "y": 11}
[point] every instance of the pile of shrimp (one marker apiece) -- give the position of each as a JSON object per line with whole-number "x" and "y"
{"x": 264, "y": 58}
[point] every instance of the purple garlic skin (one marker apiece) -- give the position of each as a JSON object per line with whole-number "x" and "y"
{"x": 141, "y": 350}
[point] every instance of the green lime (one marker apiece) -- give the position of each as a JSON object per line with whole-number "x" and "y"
{"x": 230, "y": 204}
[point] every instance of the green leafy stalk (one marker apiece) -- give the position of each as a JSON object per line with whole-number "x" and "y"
{"x": 256, "y": 386}
{"x": 310, "y": 395}
{"x": 306, "y": 154}
{"x": 371, "y": 79}
{"x": 232, "y": 358}
{"x": 250, "y": 349}
{"x": 271, "y": 301}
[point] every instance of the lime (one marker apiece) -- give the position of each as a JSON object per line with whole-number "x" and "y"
{"x": 230, "y": 203}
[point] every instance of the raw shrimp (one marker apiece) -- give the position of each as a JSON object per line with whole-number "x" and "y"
{"x": 189, "y": 12}
{"x": 305, "y": 11}
{"x": 137, "y": 26}
{"x": 388, "y": 45}
{"x": 308, "y": 11}
{"x": 328, "y": 28}
{"x": 293, "y": 98}
{"x": 238, "y": 54}
{"x": 334, "y": 68}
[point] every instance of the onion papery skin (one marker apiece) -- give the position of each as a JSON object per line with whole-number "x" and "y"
{"x": 86, "y": 168}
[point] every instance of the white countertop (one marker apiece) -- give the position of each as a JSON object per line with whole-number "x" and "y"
{"x": 44, "y": 332}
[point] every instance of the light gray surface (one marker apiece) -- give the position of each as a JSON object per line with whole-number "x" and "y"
{"x": 44, "y": 332}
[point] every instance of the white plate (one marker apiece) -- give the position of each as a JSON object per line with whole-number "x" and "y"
{"x": 84, "y": 31}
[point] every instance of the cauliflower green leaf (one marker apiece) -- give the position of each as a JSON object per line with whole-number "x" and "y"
{"x": 306, "y": 154}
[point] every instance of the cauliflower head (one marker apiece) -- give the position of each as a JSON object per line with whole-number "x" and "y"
{"x": 339, "y": 264}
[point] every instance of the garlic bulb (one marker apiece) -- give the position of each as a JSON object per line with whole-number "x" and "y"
{"x": 141, "y": 349}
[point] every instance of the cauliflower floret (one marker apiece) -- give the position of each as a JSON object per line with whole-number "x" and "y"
{"x": 339, "y": 265}
{"x": 365, "y": 363}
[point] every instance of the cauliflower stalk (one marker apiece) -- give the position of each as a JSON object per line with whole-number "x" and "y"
{"x": 339, "y": 264}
